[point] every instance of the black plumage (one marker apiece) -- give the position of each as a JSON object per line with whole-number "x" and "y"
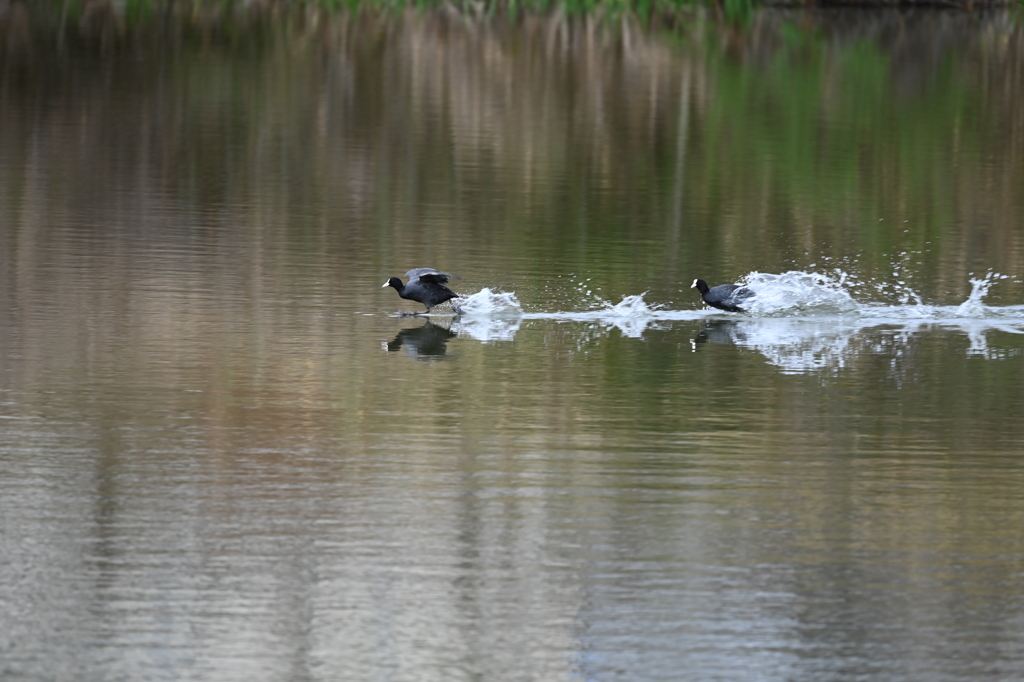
{"x": 425, "y": 285}
{"x": 724, "y": 297}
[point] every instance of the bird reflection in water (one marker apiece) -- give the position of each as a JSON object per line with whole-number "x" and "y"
{"x": 801, "y": 346}
{"x": 427, "y": 341}
{"x": 716, "y": 331}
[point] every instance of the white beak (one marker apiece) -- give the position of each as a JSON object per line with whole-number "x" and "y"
{"x": 386, "y": 283}
{"x": 694, "y": 284}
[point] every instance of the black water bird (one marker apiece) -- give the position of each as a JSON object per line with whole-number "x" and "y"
{"x": 425, "y": 285}
{"x": 724, "y": 297}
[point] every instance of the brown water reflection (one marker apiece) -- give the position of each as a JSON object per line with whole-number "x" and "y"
{"x": 818, "y": 125}
{"x": 226, "y": 458}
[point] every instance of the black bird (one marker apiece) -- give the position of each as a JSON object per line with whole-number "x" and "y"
{"x": 724, "y": 297}
{"x": 425, "y": 285}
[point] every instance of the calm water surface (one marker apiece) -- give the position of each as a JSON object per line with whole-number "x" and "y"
{"x": 226, "y": 456}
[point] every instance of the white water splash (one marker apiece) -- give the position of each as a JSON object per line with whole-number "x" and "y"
{"x": 974, "y": 305}
{"x": 799, "y": 293}
{"x": 631, "y": 316}
{"x": 820, "y": 330}
{"x": 487, "y": 303}
{"x": 631, "y": 306}
{"x": 488, "y": 316}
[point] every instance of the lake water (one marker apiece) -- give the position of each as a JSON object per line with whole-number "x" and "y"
{"x": 226, "y": 456}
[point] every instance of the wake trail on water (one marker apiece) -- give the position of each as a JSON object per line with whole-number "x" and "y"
{"x": 488, "y": 312}
{"x": 787, "y": 304}
{"x": 793, "y": 294}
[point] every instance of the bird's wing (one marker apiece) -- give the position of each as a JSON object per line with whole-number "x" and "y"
{"x": 428, "y": 275}
{"x": 741, "y": 292}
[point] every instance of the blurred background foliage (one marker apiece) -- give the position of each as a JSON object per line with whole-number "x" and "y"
{"x": 685, "y": 140}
